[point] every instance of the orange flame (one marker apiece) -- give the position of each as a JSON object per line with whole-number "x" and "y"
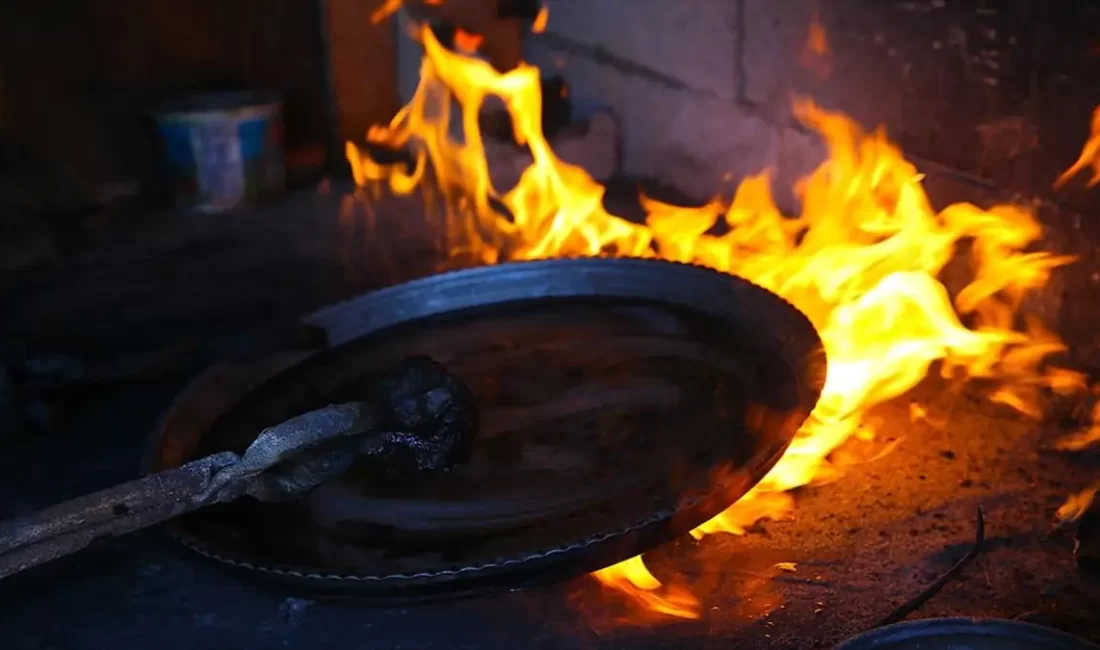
{"x": 389, "y": 7}
{"x": 632, "y": 578}
{"x": 861, "y": 261}
{"x": 815, "y": 51}
{"x": 1090, "y": 156}
{"x": 1081, "y": 440}
{"x": 541, "y": 18}
{"x": 1076, "y": 506}
{"x": 468, "y": 42}
{"x": 385, "y": 10}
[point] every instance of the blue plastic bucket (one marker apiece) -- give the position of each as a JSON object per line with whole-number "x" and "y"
{"x": 223, "y": 150}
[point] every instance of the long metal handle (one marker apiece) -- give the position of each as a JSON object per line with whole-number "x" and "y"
{"x": 68, "y": 527}
{"x": 73, "y": 525}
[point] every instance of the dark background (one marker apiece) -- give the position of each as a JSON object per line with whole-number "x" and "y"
{"x": 78, "y": 78}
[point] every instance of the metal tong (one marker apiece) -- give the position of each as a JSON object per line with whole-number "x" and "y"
{"x": 423, "y": 422}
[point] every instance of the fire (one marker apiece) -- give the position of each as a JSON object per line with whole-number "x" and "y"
{"x": 541, "y": 18}
{"x": 816, "y": 53}
{"x": 385, "y": 10}
{"x": 468, "y": 42}
{"x": 862, "y": 261}
{"x": 1090, "y": 156}
{"x": 1076, "y": 506}
{"x": 632, "y": 578}
{"x": 1083, "y": 439}
{"x": 817, "y": 42}
{"x": 390, "y": 7}
{"x": 1078, "y": 503}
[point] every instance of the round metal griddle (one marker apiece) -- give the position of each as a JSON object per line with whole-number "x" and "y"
{"x": 623, "y": 402}
{"x": 957, "y": 633}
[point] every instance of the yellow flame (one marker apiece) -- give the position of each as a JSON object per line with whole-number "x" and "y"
{"x": 862, "y": 261}
{"x": 1090, "y": 156}
{"x": 634, "y": 579}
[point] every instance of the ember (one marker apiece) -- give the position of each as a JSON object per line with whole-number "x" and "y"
{"x": 862, "y": 261}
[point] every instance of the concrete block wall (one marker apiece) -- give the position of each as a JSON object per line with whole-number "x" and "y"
{"x": 671, "y": 70}
{"x": 1000, "y": 90}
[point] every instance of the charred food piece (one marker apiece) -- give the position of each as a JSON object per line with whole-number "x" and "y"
{"x": 417, "y": 419}
{"x": 429, "y": 420}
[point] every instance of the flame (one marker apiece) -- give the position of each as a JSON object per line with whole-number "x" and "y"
{"x": 390, "y": 7}
{"x": 1090, "y": 156}
{"x": 632, "y": 578}
{"x": 1076, "y": 506}
{"x": 862, "y": 261}
{"x": 385, "y": 10}
{"x": 1085, "y": 437}
{"x": 538, "y": 26}
{"x": 468, "y": 42}
{"x": 816, "y": 53}
{"x": 817, "y": 41}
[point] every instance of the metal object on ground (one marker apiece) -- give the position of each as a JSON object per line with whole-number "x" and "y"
{"x": 223, "y": 149}
{"x": 623, "y": 403}
{"x": 418, "y": 419}
{"x": 957, "y": 633}
{"x": 930, "y": 592}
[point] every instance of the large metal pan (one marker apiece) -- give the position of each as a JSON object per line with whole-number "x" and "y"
{"x": 660, "y": 394}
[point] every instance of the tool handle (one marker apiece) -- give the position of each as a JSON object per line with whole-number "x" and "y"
{"x": 71, "y": 526}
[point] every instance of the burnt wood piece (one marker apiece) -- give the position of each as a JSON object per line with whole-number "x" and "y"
{"x": 585, "y": 491}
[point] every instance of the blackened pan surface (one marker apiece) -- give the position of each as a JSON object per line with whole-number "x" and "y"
{"x": 623, "y": 403}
